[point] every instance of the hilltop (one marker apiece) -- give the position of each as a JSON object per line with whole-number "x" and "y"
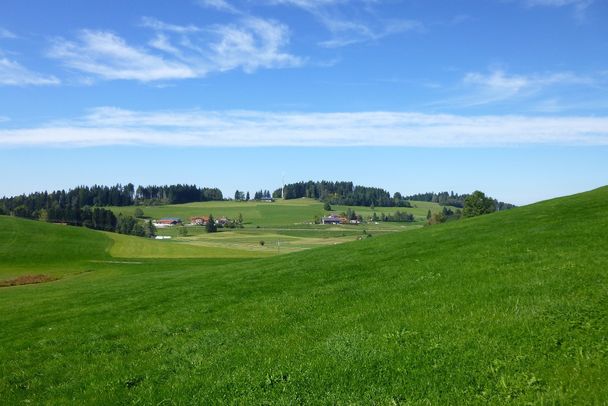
{"x": 511, "y": 306}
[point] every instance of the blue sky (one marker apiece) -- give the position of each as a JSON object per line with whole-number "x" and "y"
{"x": 507, "y": 96}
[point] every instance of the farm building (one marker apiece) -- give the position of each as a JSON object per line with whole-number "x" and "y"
{"x": 167, "y": 222}
{"x": 222, "y": 221}
{"x": 199, "y": 220}
{"x": 333, "y": 219}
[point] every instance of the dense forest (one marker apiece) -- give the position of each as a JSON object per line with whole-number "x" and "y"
{"x": 453, "y": 199}
{"x": 175, "y": 194}
{"x": 84, "y": 205}
{"x": 345, "y": 193}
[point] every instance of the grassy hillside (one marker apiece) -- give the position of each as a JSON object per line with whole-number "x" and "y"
{"x": 283, "y": 225}
{"x": 29, "y": 247}
{"x": 280, "y": 213}
{"x": 509, "y": 307}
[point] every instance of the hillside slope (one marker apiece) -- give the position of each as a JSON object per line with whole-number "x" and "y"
{"x": 28, "y": 247}
{"x": 507, "y": 307}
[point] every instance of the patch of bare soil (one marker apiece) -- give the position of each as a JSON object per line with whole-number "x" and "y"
{"x": 26, "y": 280}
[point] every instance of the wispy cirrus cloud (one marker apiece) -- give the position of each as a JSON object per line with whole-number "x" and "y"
{"x": 108, "y": 56}
{"x": 12, "y": 73}
{"x": 179, "y": 52}
{"x": 222, "y": 5}
{"x": 580, "y": 6}
{"x": 500, "y": 86}
{"x": 351, "y": 21}
{"x": 156, "y": 24}
{"x": 114, "y": 126}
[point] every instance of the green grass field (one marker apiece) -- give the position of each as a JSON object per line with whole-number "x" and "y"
{"x": 283, "y": 225}
{"x": 510, "y": 307}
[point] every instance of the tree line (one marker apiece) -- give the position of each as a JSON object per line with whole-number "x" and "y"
{"x": 342, "y": 193}
{"x": 175, "y": 194}
{"x": 454, "y": 199}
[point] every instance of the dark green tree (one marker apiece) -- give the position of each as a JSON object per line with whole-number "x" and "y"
{"x": 150, "y": 229}
{"x": 477, "y": 204}
{"x": 327, "y": 206}
{"x": 211, "y": 227}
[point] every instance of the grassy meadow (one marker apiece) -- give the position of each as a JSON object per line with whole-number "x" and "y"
{"x": 284, "y": 225}
{"x": 510, "y": 307}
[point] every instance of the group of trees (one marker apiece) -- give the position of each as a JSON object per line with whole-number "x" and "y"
{"x": 454, "y": 199}
{"x": 239, "y": 195}
{"x": 129, "y": 225}
{"x": 62, "y": 205}
{"x": 262, "y": 194}
{"x": 475, "y": 204}
{"x": 398, "y": 217}
{"x": 175, "y": 194}
{"x": 446, "y": 214}
{"x": 345, "y": 193}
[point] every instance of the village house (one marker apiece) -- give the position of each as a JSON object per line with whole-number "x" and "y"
{"x": 333, "y": 219}
{"x": 199, "y": 220}
{"x": 167, "y": 222}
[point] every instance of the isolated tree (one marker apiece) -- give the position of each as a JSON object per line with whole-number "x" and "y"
{"x": 150, "y": 229}
{"x": 327, "y": 206}
{"x": 247, "y": 197}
{"x": 477, "y": 204}
{"x": 429, "y": 214}
{"x": 139, "y": 213}
{"x": 211, "y": 227}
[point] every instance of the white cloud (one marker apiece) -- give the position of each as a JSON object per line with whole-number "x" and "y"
{"x": 108, "y": 56}
{"x": 112, "y": 126}
{"x": 337, "y": 17}
{"x": 222, "y": 5}
{"x": 155, "y": 24}
{"x": 14, "y": 74}
{"x": 497, "y": 85}
{"x": 4, "y": 33}
{"x": 252, "y": 44}
{"x": 179, "y": 52}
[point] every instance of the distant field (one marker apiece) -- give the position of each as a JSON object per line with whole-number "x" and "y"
{"x": 284, "y": 225}
{"x": 280, "y": 213}
{"x": 507, "y": 308}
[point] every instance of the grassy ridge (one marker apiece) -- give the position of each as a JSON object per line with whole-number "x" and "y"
{"x": 507, "y": 307}
{"x": 29, "y": 247}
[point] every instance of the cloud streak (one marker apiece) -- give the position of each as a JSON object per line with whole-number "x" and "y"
{"x": 335, "y": 16}
{"x": 179, "y": 52}
{"x": 13, "y": 73}
{"x": 113, "y": 126}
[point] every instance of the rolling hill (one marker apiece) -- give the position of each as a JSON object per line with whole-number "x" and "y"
{"x": 508, "y": 307}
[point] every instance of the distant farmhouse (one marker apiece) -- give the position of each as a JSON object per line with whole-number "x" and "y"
{"x": 203, "y": 220}
{"x": 267, "y": 199}
{"x": 222, "y": 221}
{"x": 333, "y": 219}
{"x": 199, "y": 220}
{"x": 167, "y": 222}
